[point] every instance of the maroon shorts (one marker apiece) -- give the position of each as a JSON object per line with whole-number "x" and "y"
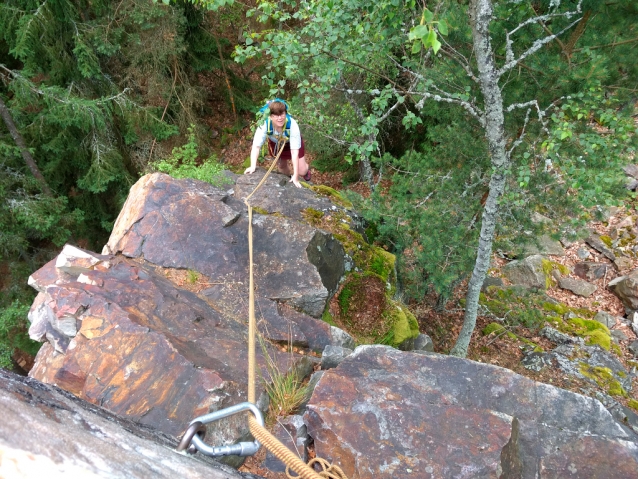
{"x": 285, "y": 155}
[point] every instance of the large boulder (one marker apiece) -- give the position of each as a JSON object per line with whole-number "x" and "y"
{"x": 47, "y": 432}
{"x": 191, "y": 224}
{"x": 438, "y": 416}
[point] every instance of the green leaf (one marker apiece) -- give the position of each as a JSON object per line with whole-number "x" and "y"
{"x": 436, "y": 45}
{"x": 416, "y": 47}
{"x": 418, "y": 32}
{"x": 443, "y": 27}
{"x": 427, "y": 15}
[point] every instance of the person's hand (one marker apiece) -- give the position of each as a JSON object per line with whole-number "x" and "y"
{"x": 295, "y": 181}
{"x": 250, "y": 170}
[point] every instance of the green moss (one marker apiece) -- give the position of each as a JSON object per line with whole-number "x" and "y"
{"x": 559, "y": 308}
{"x": 333, "y": 194}
{"x": 259, "y": 210}
{"x": 599, "y": 338}
{"x": 403, "y": 324}
{"x": 616, "y": 349}
{"x": 605, "y": 379}
{"x": 312, "y": 216}
{"x": 607, "y": 240}
{"x": 327, "y": 317}
{"x": 347, "y": 292}
{"x": 382, "y": 263}
{"x": 593, "y": 331}
{"x": 633, "y": 404}
{"x": 493, "y": 328}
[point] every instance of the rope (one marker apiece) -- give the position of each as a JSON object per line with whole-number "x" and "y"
{"x": 260, "y": 433}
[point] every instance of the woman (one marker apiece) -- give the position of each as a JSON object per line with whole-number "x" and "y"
{"x": 282, "y": 131}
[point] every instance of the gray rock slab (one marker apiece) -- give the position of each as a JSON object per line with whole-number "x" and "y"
{"x": 577, "y": 286}
{"x": 599, "y": 245}
{"x": 591, "y": 271}
{"x": 190, "y": 224}
{"x": 47, "y": 432}
{"x": 605, "y": 318}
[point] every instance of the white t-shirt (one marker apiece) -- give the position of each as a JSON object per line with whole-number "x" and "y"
{"x": 294, "y": 140}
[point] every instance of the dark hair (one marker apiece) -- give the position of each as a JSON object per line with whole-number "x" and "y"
{"x": 277, "y": 108}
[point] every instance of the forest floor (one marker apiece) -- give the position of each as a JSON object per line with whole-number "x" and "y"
{"x": 444, "y": 327}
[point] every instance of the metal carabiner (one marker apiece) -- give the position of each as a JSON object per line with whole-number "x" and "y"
{"x": 192, "y": 437}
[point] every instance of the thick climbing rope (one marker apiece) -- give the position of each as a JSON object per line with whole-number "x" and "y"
{"x": 279, "y": 450}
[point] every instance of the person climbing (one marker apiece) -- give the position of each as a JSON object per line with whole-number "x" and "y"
{"x": 280, "y": 128}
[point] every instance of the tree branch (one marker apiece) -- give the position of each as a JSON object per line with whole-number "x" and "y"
{"x": 24, "y": 151}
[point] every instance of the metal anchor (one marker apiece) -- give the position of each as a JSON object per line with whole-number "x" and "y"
{"x": 193, "y": 439}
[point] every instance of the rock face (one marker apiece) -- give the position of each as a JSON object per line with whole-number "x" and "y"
{"x": 432, "y": 416}
{"x": 46, "y": 432}
{"x": 118, "y": 333}
{"x": 191, "y": 224}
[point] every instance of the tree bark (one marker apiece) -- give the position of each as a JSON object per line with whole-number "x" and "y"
{"x": 17, "y": 137}
{"x": 480, "y": 18}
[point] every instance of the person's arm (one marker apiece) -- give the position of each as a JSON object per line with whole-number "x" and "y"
{"x": 295, "y": 146}
{"x": 294, "y": 156}
{"x": 258, "y": 140}
{"x": 254, "y": 155}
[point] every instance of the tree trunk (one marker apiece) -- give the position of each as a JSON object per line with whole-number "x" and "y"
{"x": 480, "y": 18}
{"x": 17, "y": 137}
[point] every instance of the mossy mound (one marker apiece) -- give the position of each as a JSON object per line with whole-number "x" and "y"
{"x": 604, "y": 378}
{"x": 368, "y": 313}
{"x": 592, "y": 331}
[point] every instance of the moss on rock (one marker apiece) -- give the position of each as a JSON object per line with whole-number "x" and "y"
{"x": 604, "y": 378}
{"x": 333, "y": 194}
{"x": 402, "y": 324}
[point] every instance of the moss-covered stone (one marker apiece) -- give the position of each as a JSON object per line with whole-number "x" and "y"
{"x": 260, "y": 211}
{"x": 633, "y": 404}
{"x": 560, "y": 309}
{"x": 604, "y": 378}
{"x": 607, "y": 240}
{"x": 549, "y": 266}
{"x": 312, "y": 216}
{"x": 593, "y": 332}
{"x": 333, "y": 194}
{"x": 402, "y": 324}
